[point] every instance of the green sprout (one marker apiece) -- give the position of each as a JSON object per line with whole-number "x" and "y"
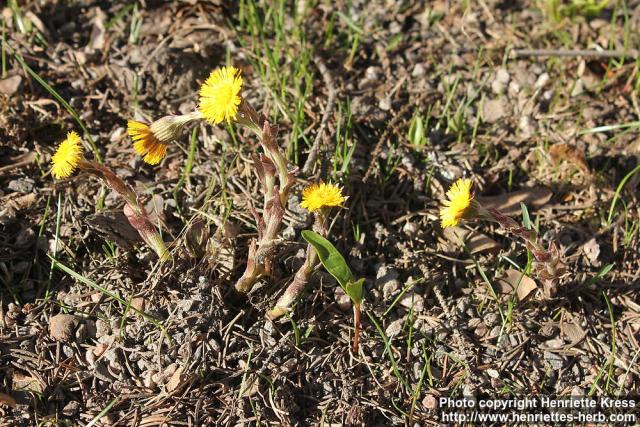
{"x": 335, "y": 264}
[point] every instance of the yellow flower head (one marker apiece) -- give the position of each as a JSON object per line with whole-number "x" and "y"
{"x": 460, "y": 199}
{"x": 145, "y": 142}
{"x": 321, "y": 195}
{"x": 67, "y": 156}
{"x": 220, "y": 95}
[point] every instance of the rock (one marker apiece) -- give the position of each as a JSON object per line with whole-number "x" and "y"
{"x": 342, "y": 299}
{"x": 442, "y": 334}
{"x": 578, "y": 89}
{"x": 387, "y": 278}
{"x": 411, "y": 299}
{"x": 556, "y": 361}
{"x": 626, "y": 379}
{"x": 501, "y": 81}
{"x": 102, "y": 328}
{"x": 514, "y": 89}
{"x": 523, "y": 76}
{"x": 176, "y": 380}
{"x": 481, "y": 330}
{"x": 495, "y": 332}
{"x": 147, "y": 379}
{"x": 419, "y": 70}
{"x": 503, "y": 342}
{"x": 430, "y": 402}
{"x": 62, "y": 327}
{"x": 591, "y": 250}
{"x": 502, "y": 76}
{"x": 185, "y": 304}
{"x": 22, "y": 185}
{"x": 493, "y": 110}
{"x": 527, "y": 126}
{"x": 71, "y": 409}
{"x": 491, "y": 319}
{"x": 542, "y": 81}
{"x": 112, "y": 356}
{"x": 68, "y": 351}
{"x": 389, "y": 288}
{"x": 474, "y": 322}
{"x": 394, "y": 328}
{"x": 138, "y": 303}
{"x": 10, "y": 85}
{"x": 493, "y": 373}
{"x": 385, "y": 104}
{"x": 410, "y": 228}
{"x": 497, "y": 87}
{"x": 554, "y": 343}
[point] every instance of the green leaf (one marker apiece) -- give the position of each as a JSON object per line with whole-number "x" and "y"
{"x": 330, "y": 258}
{"x": 354, "y": 291}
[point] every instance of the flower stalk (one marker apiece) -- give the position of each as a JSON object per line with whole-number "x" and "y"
{"x": 221, "y": 101}
{"x": 69, "y": 157}
{"x": 134, "y": 210}
{"x": 319, "y": 199}
{"x": 276, "y": 180}
{"x": 548, "y": 263}
{"x": 262, "y": 249}
{"x": 462, "y": 205}
{"x": 303, "y": 275}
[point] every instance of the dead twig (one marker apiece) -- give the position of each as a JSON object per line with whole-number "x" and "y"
{"x": 585, "y": 53}
{"x": 18, "y": 162}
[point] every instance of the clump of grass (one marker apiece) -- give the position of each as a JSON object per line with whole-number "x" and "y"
{"x": 556, "y": 10}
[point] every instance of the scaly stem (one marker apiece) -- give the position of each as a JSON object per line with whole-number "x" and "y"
{"x": 550, "y": 266}
{"x": 262, "y": 250}
{"x": 301, "y": 279}
{"x": 133, "y": 209}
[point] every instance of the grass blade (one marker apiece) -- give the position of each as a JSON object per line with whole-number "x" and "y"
{"x": 61, "y": 100}
{"x": 626, "y": 178}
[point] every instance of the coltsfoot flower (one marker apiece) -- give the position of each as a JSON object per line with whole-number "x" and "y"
{"x": 220, "y": 95}
{"x": 322, "y": 195}
{"x": 460, "y": 204}
{"x": 145, "y": 143}
{"x": 67, "y": 156}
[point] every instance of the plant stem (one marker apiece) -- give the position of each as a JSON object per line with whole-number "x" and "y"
{"x": 262, "y": 250}
{"x": 301, "y": 279}
{"x": 356, "y": 323}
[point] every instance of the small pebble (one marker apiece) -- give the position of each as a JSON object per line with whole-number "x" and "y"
{"x": 62, "y": 327}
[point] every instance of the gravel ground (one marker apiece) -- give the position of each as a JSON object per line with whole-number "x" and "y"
{"x": 423, "y": 95}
